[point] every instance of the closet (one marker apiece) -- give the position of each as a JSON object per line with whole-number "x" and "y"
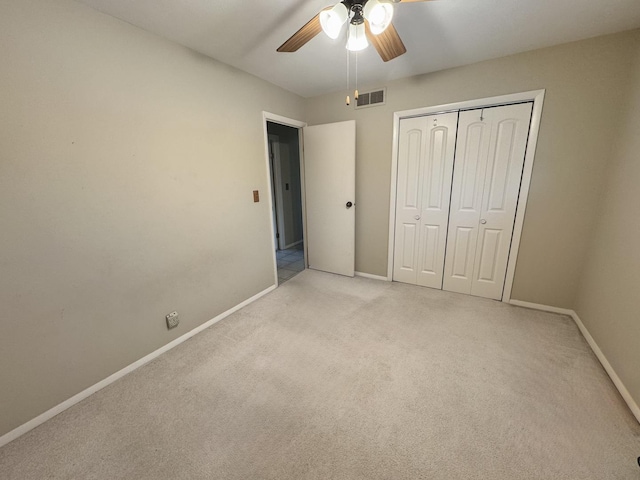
{"x": 457, "y": 189}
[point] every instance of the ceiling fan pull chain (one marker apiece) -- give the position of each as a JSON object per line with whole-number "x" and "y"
{"x": 348, "y": 100}
{"x": 482, "y": 115}
{"x": 355, "y": 96}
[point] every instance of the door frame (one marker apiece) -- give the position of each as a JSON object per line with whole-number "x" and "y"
{"x": 297, "y": 124}
{"x": 535, "y": 96}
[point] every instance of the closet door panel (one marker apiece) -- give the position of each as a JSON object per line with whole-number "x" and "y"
{"x": 508, "y": 145}
{"x": 472, "y": 148}
{"x": 436, "y": 180}
{"x": 408, "y": 199}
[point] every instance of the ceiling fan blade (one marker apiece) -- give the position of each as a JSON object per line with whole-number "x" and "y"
{"x": 388, "y": 43}
{"x": 412, "y": 1}
{"x": 302, "y": 36}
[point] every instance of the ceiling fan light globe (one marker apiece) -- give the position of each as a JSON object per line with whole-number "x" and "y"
{"x": 332, "y": 20}
{"x": 379, "y": 15}
{"x": 357, "y": 39}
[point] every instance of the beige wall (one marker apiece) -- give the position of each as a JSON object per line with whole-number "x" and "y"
{"x": 127, "y": 165}
{"x": 609, "y": 296}
{"x": 581, "y": 111}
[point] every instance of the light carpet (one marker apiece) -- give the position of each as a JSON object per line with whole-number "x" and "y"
{"x": 329, "y": 377}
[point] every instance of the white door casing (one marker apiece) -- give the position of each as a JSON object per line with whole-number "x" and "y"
{"x": 329, "y": 172}
{"x": 272, "y": 117}
{"x": 490, "y": 155}
{"x": 425, "y": 165}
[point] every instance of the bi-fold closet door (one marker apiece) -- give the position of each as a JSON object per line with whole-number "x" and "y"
{"x": 425, "y": 166}
{"x": 465, "y": 202}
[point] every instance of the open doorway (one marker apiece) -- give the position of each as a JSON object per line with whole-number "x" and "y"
{"x": 286, "y": 185}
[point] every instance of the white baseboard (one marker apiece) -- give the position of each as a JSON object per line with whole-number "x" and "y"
{"x": 544, "y": 308}
{"x": 40, "y": 419}
{"x": 607, "y": 366}
{"x": 633, "y": 406}
{"x": 370, "y": 275}
{"x": 291, "y": 245}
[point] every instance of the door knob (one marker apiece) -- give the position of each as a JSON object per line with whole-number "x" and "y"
{"x": 483, "y": 221}
{"x": 417, "y": 217}
{"x": 349, "y": 204}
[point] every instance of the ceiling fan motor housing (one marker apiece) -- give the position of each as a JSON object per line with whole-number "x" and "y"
{"x": 357, "y": 17}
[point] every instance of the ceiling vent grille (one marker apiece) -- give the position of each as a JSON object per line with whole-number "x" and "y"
{"x": 372, "y": 99}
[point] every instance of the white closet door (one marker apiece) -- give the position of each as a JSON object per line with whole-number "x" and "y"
{"x": 507, "y": 148}
{"x": 472, "y": 151}
{"x": 425, "y": 166}
{"x": 487, "y": 172}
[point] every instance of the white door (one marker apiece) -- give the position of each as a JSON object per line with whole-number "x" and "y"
{"x": 490, "y": 154}
{"x": 329, "y": 175}
{"x": 425, "y": 165}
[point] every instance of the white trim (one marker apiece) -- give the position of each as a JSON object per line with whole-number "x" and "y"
{"x": 272, "y": 117}
{"x": 371, "y": 276}
{"x": 626, "y": 396}
{"x": 471, "y": 104}
{"x": 525, "y": 183}
{"x": 544, "y": 308}
{"x": 608, "y": 368}
{"x": 52, "y": 412}
{"x": 537, "y": 97}
{"x": 293, "y": 244}
{"x": 393, "y": 193}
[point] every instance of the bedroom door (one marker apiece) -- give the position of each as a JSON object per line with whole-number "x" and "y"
{"x": 330, "y": 172}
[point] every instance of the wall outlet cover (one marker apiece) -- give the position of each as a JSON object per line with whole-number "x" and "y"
{"x": 172, "y": 320}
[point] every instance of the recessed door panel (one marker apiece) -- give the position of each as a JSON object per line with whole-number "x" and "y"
{"x": 412, "y": 176}
{"x": 471, "y": 161}
{"x": 429, "y": 239}
{"x": 408, "y": 246}
{"x": 461, "y": 244}
{"x": 489, "y": 247}
{"x": 500, "y": 165}
{"x": 436, "y": 169}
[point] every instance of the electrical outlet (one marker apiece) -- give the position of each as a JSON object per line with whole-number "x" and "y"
{"x": 172, "y": 320}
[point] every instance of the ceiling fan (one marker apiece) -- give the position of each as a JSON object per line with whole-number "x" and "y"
{"x": 369, "y": 21}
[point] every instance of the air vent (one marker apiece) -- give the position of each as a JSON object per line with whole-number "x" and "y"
{"x": 371, "y": 99}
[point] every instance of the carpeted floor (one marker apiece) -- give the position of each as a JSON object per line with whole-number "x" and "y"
{"x": 329, "y": 377}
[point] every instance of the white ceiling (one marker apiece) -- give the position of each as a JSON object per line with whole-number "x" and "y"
{"x": 438, "y": 35}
